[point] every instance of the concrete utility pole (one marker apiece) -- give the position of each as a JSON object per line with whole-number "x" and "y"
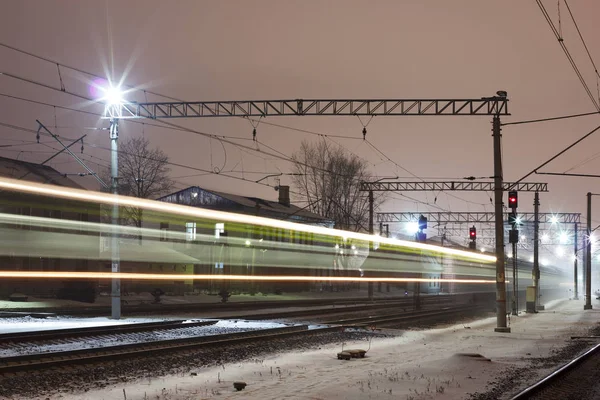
{"x": 575, "y": 277}
{"x": 536, "y": 251}
{"x": 371, "y": 231}
{"x": 499, "y": 224}
{"x": 588, "y": 256}
{"x": 114, "y": 245}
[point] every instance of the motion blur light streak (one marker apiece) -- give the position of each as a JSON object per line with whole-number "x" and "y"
{"x": 138, "y": 276}
{"x": 109, "y": 199}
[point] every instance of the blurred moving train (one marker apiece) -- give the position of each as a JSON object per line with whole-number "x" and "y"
{"x": 48, "y": 229}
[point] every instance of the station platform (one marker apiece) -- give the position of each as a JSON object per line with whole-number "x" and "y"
{"x": 451, "y": 362}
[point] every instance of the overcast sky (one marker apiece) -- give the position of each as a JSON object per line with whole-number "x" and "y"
{"x": 239, "y": 50}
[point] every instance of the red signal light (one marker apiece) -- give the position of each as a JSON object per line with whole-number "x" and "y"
{"x": 513, "y": 201}
{"x": 473, "y": 233}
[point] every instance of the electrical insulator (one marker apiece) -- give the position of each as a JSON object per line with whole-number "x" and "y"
{"x": 513, "y": 199}
{"x": 254, "y": 134}
{"x": 364, "y": 133}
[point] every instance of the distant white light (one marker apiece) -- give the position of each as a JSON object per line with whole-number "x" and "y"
{"x": 412, "y": 227}
{"x": 112, "y": 95}
{"x": 543, "y": 262}
{"x": 355, "y": 252}
{"x": 247, "y": 243}
{"x": 523, "y": 237}
{"x": 545, "y": 238}
{"x": 560, "y": 252}
{"x": 483, "y": 249}
{"x": 341, "y": 251}
{"x": 353, "y": 247}
{"x": 337, "y": 246}
{"x": 518, "y": 220}
{"x": 509, "y": 255}
{"x": 563, "y": 238}
{"x": 395, "y": 237}
{"x": 531, "y": 259}
{"x": 553, "y": 219}
{"x": 574, "y": 257}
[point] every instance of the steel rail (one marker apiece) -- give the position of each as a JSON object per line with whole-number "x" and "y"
{"x": 85, "y": 356}
{"x": 33, "y": 336}
{"x": 408, "y": 301}
{"x": 402, "y": 317}
{"x": 554, "y": 376}
{"x": 54, "y": 359}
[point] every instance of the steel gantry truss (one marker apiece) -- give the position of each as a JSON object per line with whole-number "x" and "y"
{"x": 476, "y": 217}
{"x": 267, "y": 108}
{"x": 494, "y": 106}
{"x": 450, "y": 186}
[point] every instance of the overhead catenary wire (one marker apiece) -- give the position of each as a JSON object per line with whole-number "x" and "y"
{"x": 532, "y": 121}
{"x": 560, "y": 153}
{"x": 179, "y": 127}
{"x": 561, "y": 42}
{"x": 582, "y": 39}
{"x": 145, "y": 91}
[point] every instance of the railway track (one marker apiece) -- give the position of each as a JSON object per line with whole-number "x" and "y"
{"x": 217, "y": 306}
{"x": 95, "y": 331}
{"x": 44, "y": 361}
{"x": 578, "y": 379}
{"x": 404, "y": 304}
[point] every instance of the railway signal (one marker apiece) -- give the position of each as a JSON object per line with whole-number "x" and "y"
{"x": 513, "y": 199}
{"x": 422, "y": 236}
{"x": 473, "y": 237}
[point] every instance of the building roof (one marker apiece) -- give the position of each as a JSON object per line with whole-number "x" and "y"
{"x": 17, "y": 169}
{"x": 198, "y": 197}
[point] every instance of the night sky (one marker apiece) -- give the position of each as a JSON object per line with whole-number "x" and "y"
{"x": 239, "y": 50}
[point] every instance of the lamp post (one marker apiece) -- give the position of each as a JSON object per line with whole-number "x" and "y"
{"x": 113, "y": 99}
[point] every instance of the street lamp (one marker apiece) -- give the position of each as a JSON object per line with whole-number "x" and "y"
{"x": 113, "y": 98}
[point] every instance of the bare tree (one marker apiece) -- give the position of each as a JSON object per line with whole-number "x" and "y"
{"x": 328, "y": 178}
{"x": 143, "y": 173}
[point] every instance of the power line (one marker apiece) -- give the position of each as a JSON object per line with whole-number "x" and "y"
{"x": 531, "y": 121}
{"x": 566, "y": 174}
{"x": 582, "y": 40}
{"x": 561, "y": 42}
{"x": 560, "y": 153}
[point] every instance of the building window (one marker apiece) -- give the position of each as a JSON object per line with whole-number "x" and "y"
{"x": 190, "y": 231}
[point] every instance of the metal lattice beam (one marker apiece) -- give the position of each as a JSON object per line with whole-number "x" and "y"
{"x": 490, "y": 106}
{"x": 474, "y": 217}
{"x": 449, "y": 186}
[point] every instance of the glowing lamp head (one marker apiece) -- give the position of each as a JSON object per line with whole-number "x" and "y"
{"x": 473, "y": 233}
{"x": 513, "y": 200}
{"x": 412, "y": 227}
{"x": 113, "y": 96}
{"x": 553, "y": 219}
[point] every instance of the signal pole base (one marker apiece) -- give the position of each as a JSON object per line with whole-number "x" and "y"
{"x": 587, "y": 307}
{"x": 502, "y": 329}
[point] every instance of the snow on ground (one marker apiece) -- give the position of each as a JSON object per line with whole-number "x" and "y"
{"x": 220, "y": 328}
{"x": 25, "y": 324}
{"x": 428, "y": 364}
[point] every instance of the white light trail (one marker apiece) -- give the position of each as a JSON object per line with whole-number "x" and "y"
{"x": 109, "y": 199}
{"x": 171, "y": 277}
